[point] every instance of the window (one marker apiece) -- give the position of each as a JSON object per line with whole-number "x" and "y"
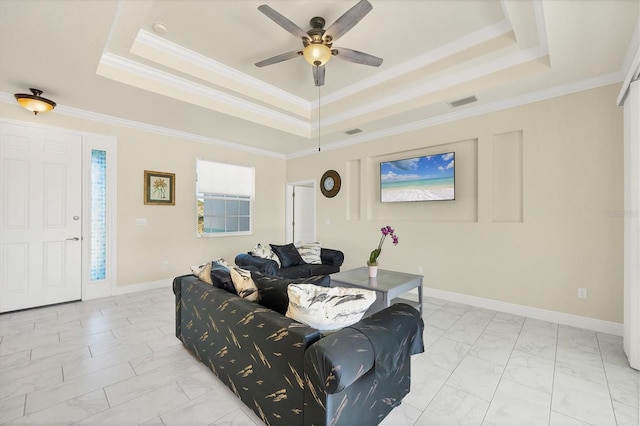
{"x": 98, "y": 215}
{"x": 224, "y": 194}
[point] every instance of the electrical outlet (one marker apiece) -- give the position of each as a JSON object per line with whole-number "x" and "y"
{"x": 419, "y": 270}
{"x": 165, "y": 264}
{"x": 582, "y": 293}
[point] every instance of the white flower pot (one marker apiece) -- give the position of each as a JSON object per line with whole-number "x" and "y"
{"x": 373, "y": 271}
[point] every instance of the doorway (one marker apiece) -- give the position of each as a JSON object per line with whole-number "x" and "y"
{"x": 300, "y": 213}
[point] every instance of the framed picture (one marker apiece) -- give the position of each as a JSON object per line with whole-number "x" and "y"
{"x": 159, "y": 188}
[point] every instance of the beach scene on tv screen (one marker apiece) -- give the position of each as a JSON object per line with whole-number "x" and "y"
{"x": 418, "y": 179}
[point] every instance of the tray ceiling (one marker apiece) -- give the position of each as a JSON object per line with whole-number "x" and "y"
{"x": 104, "y": 59}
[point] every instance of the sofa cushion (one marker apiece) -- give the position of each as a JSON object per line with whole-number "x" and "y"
{"x": 264, "y": 252}
{"x": 244, "y": 285}
{"x": 203, "y": 272}
{"x": 307, "y": 270}
{"x": 328, "y": 309}
{"x": 288, "y": 255}
{"x": 273, "y": 290}
{"x": 310, "y": 252}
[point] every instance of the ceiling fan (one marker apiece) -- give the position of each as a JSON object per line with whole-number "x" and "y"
{"x": 318, "y": 42}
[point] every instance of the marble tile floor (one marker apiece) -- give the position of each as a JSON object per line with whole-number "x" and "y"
{"x": 116, "y": 361}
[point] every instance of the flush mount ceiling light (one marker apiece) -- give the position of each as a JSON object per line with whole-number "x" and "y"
{"x": 35, "y": 103}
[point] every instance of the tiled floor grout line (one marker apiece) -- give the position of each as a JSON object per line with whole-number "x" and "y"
{"x": 458, "y": 365}
{"x": 503, "y": 370}
{"x": 606, "y": 377}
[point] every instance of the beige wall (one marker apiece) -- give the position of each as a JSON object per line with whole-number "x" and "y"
{"x": 170, "y": 233}
{"x": 529, "y": 233}
{"x": 534, "y": 219}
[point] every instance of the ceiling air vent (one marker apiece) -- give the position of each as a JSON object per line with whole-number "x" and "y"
{"x": 463, "y": 101}
{"x": 353, "y": 131}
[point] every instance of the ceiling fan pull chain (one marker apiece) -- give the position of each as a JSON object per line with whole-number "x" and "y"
{"x": 319, "y": 118}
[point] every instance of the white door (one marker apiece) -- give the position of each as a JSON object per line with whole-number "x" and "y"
{"x": 301, "y": 212}
{"x": 40, "y": 217}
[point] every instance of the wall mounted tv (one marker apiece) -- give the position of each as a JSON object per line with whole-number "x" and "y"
{"x": 426, "y": 178}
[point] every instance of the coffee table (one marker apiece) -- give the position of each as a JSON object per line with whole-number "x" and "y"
{"x": 388, "y": 285}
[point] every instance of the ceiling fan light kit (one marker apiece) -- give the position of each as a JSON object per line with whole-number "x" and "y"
{"x": 34, "y": 102}
{"x": 317, "y": 54}
{"x": 318, "y": 41}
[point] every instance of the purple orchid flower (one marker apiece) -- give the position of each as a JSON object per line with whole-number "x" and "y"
{"x": 386, "y": 231}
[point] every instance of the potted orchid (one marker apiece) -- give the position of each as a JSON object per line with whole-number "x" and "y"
{"x": 373, "y": 257}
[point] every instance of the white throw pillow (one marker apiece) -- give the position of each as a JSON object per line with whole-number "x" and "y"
{"x": 244, "y": 285}
{"x": 310, "y": 252}
{"x": 328, "y": 308}
{"x": 203, "y": 272}
{"x": 265, "y": 252}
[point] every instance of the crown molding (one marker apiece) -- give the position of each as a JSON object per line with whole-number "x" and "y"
{"x": 448, "y": 81}
{"x": 541, "y": 26}
{"x": 477, "y": 37}
{"x": 250, "y": 84}
{"x": 136, "y": 125}
{"x": 180, "y": 52}
{"x": 541, "y": 95}
{"x": 517, "y": 101}
{"x": 252, "y": 111}
{"x": 631, "y": 64}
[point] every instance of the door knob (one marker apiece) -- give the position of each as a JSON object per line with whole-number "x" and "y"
{"x": 73, "y": 239}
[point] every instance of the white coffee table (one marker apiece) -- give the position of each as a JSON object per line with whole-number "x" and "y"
{"x": 388, "y": 285}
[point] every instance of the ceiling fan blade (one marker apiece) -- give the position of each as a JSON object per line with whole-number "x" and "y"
{"x": 347, "y": 21}
{"x": 356, "y": 57}
{"x": 318, "y": 75}
{"x": 283, "y": 21}
{"x": 279, "y": 58}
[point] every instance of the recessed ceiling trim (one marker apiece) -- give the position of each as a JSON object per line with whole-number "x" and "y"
{"x": 541, "y": 27}
{"x": 193, "y": 63}
{"x": 448, "y": 81}
{"x": 470, "y": 40}
{"x": 152, "y": 79}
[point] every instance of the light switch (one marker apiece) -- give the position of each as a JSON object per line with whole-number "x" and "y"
{"x": 141, "y": 221}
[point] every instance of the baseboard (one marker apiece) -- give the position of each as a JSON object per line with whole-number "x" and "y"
{"x": 528, "y": 311}
{"x": 587, "y": 323}
{"x": 149, "y": 285}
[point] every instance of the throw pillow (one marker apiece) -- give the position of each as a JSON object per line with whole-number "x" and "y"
{"x": 203, "y": 272}
{"x": 244, "y": 285}
{"x": 328, "y": 309}
{"x": 310, "y": 252}
{"x": 273, "y": 290}
{"x": 288, "y": 255}
{"x": 221, "y": 275}
{"x": 264, "y": 252}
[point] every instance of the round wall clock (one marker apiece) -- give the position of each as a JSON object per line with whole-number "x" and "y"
{"x": 330, "y": 183}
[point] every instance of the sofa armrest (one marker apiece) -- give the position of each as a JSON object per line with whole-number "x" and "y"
{"x": 382, "y": 341}
{"x": 331, "y": 257}
{"x": 255, "y": 263}
{"x": 177, "y": 291}
{"x": 338, "y": 360}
